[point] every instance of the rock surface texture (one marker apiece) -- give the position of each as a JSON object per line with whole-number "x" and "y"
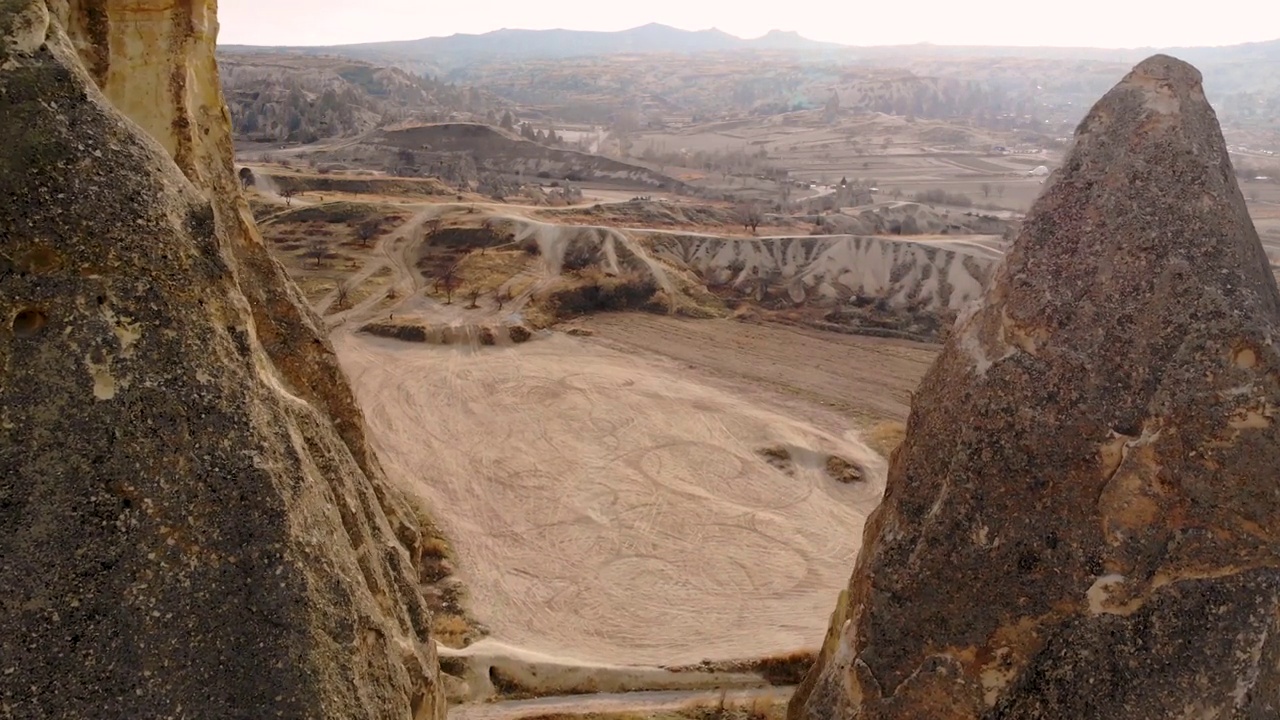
{"x": 191, "y": 521}
{"x": 1084, "y": 518}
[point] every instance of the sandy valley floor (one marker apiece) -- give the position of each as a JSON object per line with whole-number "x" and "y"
{"x": 610, "y": 505}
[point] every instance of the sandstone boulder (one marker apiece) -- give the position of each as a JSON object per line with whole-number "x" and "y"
{"x": 191, "y": 521}
{"x": 1083, "y": 520}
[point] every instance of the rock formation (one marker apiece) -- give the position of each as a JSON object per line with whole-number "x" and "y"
{"x": 191, "y": 521}
{"x": 1083, "y": 520}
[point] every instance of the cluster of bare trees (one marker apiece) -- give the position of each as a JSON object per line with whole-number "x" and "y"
{"x": 449, "y": 282}
{"x": 724, "y": 162}
{"x": 988, "y": 188}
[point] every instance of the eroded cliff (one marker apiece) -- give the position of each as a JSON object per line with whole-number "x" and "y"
{"x": 1082, "y": 520}
{"x": 191, "y": 521}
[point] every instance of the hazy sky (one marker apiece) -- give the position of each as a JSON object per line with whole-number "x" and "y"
{"x": 1096, "y": 23}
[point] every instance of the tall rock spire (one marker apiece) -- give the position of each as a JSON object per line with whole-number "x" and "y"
{"x": 191, "y": 521}
{"x": 1084, "y": 518}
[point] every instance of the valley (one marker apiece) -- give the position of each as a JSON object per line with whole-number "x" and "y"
{"x": 642, "y": 355}
{"x": 627, "y": 411}
{"x": 649, "y": 374}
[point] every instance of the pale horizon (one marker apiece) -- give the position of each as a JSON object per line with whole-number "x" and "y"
{"x": 940, "y": 22}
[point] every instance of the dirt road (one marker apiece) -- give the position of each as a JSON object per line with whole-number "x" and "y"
{"x": 636, "y": 702}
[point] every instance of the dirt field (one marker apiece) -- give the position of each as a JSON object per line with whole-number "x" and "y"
{"x": 867, "y": 379}
{"x": 613, "y": 506}
{"x": 657, "y": 493}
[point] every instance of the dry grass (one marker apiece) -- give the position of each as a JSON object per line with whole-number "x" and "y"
{"x": 433, "y": 558}
{"x": 490, "y": 270}
{"x": 314, "y": 287}
{"x": 778, "y": 670}
{"x": 455, "y": 631}
{"x": 786, "y": 669}
{"x": 885, "y": 437}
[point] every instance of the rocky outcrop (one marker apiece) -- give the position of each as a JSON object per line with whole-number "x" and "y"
{"x": 496, "y": 151}
{"x": 833, "y": 268}
{"x": 193, "y": 524}
{"x": 1082, "y": 521}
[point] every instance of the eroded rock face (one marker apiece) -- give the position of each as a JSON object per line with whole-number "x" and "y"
{"x": 191, "y": 521}
{"x": 1083, "y": 520}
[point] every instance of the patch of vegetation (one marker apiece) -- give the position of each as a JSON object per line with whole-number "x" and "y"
{"x": 876, "y": 317}
{"x": 398, "y": 187}
{"x": 489, "y": 271}
{"x": 592, "y": 291}
{"x": 454, "y": 666}
{"x": 432, "y": 556}
{"x": 779, "y": 457}
{"x": 407, "y": 333}
{"x": 938, "y": 196}
{"x": 885, "y": 437}
{"x": 760, "y": 708}
{"x": 453, "y": 630}
{"x": 505, "y": 685}
{"x": 843, "y": 471}
{"x": 467, "y": 238}
{"x": 580, "y": 256}
{"x": 460, "y": 259}
{"x": 261, "y": 208}
{"x": 333, "y": 213}
{"x": 786, "y": 669}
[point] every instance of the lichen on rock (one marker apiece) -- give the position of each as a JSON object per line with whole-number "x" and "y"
{"x": 1081, "y": 521}
{"x": 192, "y": 523}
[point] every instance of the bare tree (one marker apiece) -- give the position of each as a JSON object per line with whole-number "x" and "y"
{"x": 318, "y": 250}
{"x": 447, "y": 282}
{"x": 367, "y": 230}
{"x": 750, "y": 216}
{"x": 986, "y": 189}
{"x": 432, "y": 226}
{"x": 896, "y": 193}
{"x": 287, "y": 194}
{"x": 1000, "y": 191}
{"x": 475, "y": 299}
{"x": 502, "y": 296}
{"x": 344, "y": 293}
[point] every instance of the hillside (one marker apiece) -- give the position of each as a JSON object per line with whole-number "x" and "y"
{"x": 661, "y": 71}
{"x": 468, "y": 152}
{"x": 303, "y": 98}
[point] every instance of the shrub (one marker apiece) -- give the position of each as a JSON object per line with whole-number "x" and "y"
{"x": 597, "y": 292}
{"x": 578, "y": 256}
{"x": 938, "y": 196}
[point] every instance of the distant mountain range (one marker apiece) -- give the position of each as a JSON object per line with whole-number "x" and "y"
{"x": 1244, "y": 80}
{"x": 461, "y": 50}
{"x": 504, "y": 45}
{"x": 517, "y": 44}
